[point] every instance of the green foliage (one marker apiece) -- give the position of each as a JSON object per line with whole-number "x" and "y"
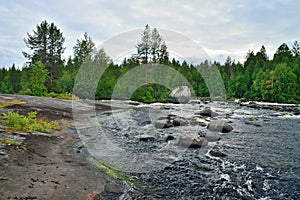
{"x": 17, "y": 122}
{"x": 258, "y": 78}
{"x": 33, "y": 80}
{"x": 46, "y": 44}
{"x": 9, "y": 142}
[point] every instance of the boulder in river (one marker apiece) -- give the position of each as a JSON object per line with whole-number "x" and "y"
{"x": 170, "y": 121}
{"x": 207, "y": 112}
{"x": 219, "y": 126}
{"x": 179, "y": 121}
{"x": 210, "y": 136}
{"x": 217, "y": 153}
{"x": 145, "y": 137}
{"x": 181, "y": 94}
{"x": 163, "y": 123}
{"x": 192, "y": 141}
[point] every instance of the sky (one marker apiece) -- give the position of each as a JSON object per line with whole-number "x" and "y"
{"x": 221, "y": 28}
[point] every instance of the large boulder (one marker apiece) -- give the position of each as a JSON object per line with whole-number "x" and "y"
{"x": 181, "y": 94}
{"x": 192, "y": 141}
{"x": 219, "y": 126}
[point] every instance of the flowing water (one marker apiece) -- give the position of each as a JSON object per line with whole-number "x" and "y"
{"x": 262, "y": 162}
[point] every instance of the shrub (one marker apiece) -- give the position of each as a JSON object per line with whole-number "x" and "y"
{"x": 28, "y": 124}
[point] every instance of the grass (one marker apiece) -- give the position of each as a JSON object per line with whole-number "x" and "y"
{"x": 4, "y": 104}
{"x": 9, "y": 142}
{"x": 16, "y": 122}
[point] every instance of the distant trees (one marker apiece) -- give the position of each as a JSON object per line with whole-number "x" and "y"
{"x": 152, "y": 47}
{"x": 258, "y": 78}
{"x": 46, "y": 44}
{"x": 267, "y": 80}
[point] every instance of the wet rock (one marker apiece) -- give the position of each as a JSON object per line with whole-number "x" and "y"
{"x": 196, "y": 122}
{"x": 192, "y": 141}
{"x": 220, "y": 126}
{"x": 170, "y": 137}
{"x": 163, "y": 123}
{"x": 170, "y": 121}
{"x": 207, "y": 112}
{"x": 252, "y": 123}
{"x": 181, "y": 94}
{"x": 145, "y": 137}
{"x": 217, "y": 153}
{"x": 297, "y": 112}
{"x": 178, "y": 121}
{"x": 211, "y": 136}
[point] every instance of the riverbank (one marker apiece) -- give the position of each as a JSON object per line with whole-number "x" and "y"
{"x": 44, "y": 166}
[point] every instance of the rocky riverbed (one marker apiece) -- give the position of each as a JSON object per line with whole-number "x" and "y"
{"x": 211, "y": 150}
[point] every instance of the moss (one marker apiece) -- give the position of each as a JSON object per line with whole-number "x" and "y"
{"x": 4, "y": 104}
{"x": 9, "y": 142}
{"x": 111, "y": 172}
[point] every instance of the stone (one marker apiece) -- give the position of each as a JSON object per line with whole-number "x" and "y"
{"x": 170, "y": 137}
{"x": 181, "y": 94}
{"x": 192, "y": 141}
{"x": 219, "y": 126}
{"x": 145, "y": 137}
{"x": 212, "y": 136}
{"x": 178, "y": 121}
{"x": 217, "y": 153}
{"x": 163, "y": 123}
{"x": 207, "y": 112}
{"x": 252, "y": 123}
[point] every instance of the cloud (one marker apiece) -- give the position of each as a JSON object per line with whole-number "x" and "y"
{"x": 223, "y": 28}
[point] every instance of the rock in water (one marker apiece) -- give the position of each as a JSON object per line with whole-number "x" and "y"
{"x": 217, "y": 153}
{"x": 181, "y": 94}
{"x": 163, "y": 123}
{"x": 145, "y": 137}
{"x": 220, "y": 126}
{"x": 178, "y": 121}
{"x": 207, "y": 112}
{"x": 192, "y": 141}
{"x": 211, "y": 136}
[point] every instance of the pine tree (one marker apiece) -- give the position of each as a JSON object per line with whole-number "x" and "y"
{"x": 46, "y": 44}
{"x": 82, "y": 49}
{"x": 144, "y": 47}
{"x": 296, "y": 49}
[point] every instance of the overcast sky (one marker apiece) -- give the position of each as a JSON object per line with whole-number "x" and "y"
{"x": 222, "y": 28}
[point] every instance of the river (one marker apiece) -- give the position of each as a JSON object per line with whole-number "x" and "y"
{"x": 261, "y": 156}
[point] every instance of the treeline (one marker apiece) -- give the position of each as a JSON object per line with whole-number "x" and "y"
{"x": 47, "y": 74}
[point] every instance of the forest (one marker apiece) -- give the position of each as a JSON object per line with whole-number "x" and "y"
{"x": 46, "y": 73}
